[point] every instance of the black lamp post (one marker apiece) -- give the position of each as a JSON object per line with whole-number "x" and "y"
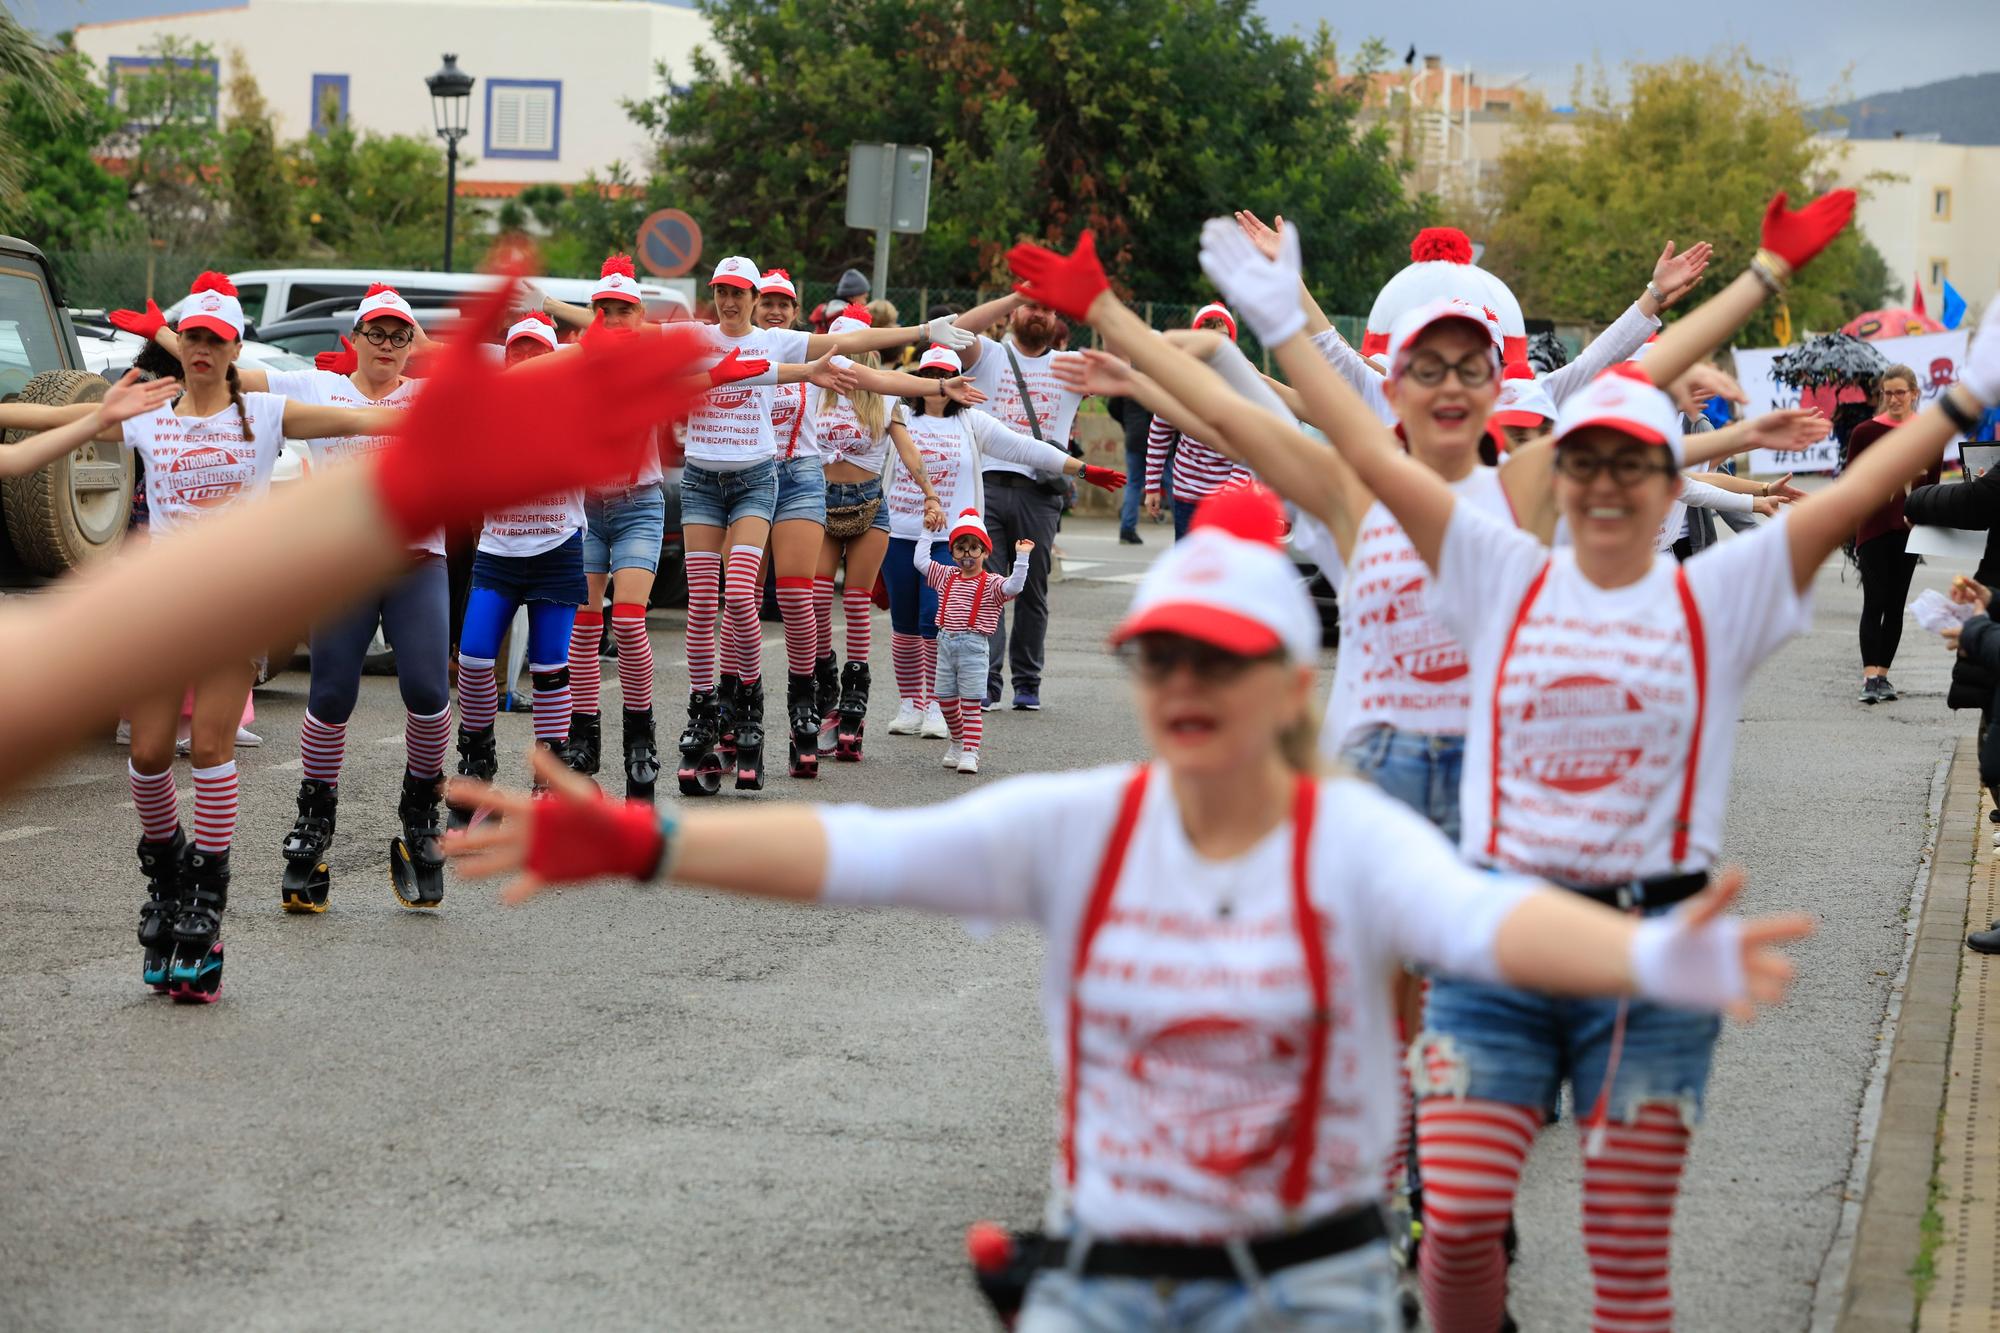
{"x": 451, "y": 107}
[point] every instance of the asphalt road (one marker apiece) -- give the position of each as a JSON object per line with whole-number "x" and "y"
{"x": 627, "y": 1109}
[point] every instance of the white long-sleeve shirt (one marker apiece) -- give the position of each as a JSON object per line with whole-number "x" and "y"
{"x": 1196, "y": 1002}
{"x": 957, "y": 450}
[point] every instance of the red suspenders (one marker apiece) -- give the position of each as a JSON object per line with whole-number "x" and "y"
{"x": 1305, "y": 1118}
{"x": 1697, "y": 646}
{"x": 792, "y": 445}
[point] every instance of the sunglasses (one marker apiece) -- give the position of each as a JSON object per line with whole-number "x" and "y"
{"x": 388, "y": 337}
{"x": 1627, "y": 468}
{"x": 1155, "y": 657}
{"x": 1429, "y": 369}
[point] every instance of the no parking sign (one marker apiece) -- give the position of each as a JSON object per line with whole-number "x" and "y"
{"x": 669, "y": 243}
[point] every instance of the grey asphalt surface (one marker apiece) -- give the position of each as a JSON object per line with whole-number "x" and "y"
{"x": 659, "y": 1109}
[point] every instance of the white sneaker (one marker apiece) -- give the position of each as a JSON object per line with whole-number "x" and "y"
{"x": 968, "y": 761}
{"x": 953, "y": 757}
{"x": 124, "y": 733}
{"x": 909, "y": 719}
{"x": 934, "y": 725}
{"x": 247, "y": 738}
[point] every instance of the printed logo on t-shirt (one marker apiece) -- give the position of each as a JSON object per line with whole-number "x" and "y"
{"x": 727, "y": 400}
{"x": 1218, "y": 1091}
{"x": 204, "y": 476}
{"x": 1417, "y": 641}
{"x": 1583, "y": 733}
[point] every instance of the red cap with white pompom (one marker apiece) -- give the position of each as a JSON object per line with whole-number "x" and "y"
{"x": 212, "y": 305}
{"x": 617, "y": 281}
{"x": 1229, "y": 583}
{"x": 1441, "y": 268}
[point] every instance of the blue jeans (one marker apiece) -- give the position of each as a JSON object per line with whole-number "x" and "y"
{"x": 801, "y": 491}
{"x": 1183, "y": 515}
{"x": 1353, "y": 1292}
{"x": 1420, "y": 771}
{"x": 556, "y": 575}
{"x": 1128, "y": 503}
{"x": 718, "y": 499}
{"x": 415, "y": 615}
{"x": 1496, "y": 1043}
{"x": 623, "y": 529}
{"x": 840, "y": 494}
{"x": 912, "y": 601}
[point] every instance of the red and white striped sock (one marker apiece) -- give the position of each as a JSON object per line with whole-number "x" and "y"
{"x": 742, "y": 594}
{"x": 822, "y": 615}
{"x": 1629, "y": 1188}
{"x": 857, "y": 604}
{"x": 586, "y": 668}
{"x": 949, "y": 707}
{"x": 795, "y": 604}
{"x": 927, "y": 681}
{"x": 972, "y": 721}
{"x": 1398, "y": 1164}
{"x": 424, "y": 740}
{"x": 552, "y": 710}
{"x": 215, "y": 807}
{"x": 322, "y": 748}
{"x": 908, "y": 660}
{"x": 704, "y": 575}
{"x": 1470, "y": 1154}
{"x": 158, "y": 804}
{"x": 478, "y": 693}
{"x": 635, "y": 659}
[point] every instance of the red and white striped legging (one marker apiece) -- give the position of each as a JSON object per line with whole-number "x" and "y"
{"x": 1470, "y": 1154}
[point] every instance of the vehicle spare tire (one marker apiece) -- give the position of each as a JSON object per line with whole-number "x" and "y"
{"x": 74, "y": 510}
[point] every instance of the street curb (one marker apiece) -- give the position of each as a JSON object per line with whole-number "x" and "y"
{"x": 1880, "y": 1295}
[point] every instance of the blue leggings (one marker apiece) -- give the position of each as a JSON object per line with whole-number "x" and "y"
{"x": 913, "y": 602}
{"x": 415, "y": 615}
{"x": 488, "y": 611}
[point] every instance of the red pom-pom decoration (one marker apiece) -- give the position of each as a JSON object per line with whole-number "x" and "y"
{"x": 857, "y": 312}
{"x": 538, "y": 317}
{"x": 620, "y": 264}
{"x": 1441, "y": 244}
{"x": 1518, "y": 370}
{"x": 376, "y": 289}
{"x": 1251, "y": 513}
{"x": 990, "y": 1248}
{"x": 212, "y": 281}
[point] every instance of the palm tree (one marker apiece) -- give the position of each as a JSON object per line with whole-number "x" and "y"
{"x": 25, "y": 64}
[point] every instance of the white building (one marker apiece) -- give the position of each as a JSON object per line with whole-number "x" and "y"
{"x": 1930, "y": 208}
{"x": 550, "y": 73}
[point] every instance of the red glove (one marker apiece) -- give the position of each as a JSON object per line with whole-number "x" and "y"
{"x": 1797, "y": 237}
{"x": 1106, "y": 478}
{"x": 480, "y": 438}
{"x": 585, "y": 837}
{"x": 1066, "y": 284}
{"x": 145, "y": 325}
{"x": 344, "y": 362}
{"x": 734, "y": 367}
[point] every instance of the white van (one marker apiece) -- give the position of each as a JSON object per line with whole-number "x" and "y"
{"x": 269, "y": 294}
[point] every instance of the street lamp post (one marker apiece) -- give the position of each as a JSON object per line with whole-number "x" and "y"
{"x": 451, "y": 107}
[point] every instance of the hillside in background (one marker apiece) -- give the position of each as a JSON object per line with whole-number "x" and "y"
{"x": 1963, "y": 110}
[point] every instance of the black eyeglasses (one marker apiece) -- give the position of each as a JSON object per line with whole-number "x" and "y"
{"x": 1429, "y": 369}
{"x": 1627, "y": 467}
{"x": 389, "y": 337}
{"x": 1155, "y": 657}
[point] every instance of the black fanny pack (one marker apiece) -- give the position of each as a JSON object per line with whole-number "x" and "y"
{"x": 1642, "y": 894}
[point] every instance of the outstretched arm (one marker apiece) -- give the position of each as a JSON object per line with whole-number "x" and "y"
{"x": 899, "y": 384}
{"x": 309, "y": 421}
{"x": 125, "y": 399}
{"x": 981, "y": 318}
{"x": 42, "y": 416}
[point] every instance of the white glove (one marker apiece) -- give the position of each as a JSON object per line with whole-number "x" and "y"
{"x": 1981, "y": 371}
{"x": 1264, "y": 291}
{"x": 944, "y": 332}
{"x": 1688, "y": 968}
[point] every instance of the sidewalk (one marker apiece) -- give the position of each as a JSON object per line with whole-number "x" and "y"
{"x": 1927, "y": 1249}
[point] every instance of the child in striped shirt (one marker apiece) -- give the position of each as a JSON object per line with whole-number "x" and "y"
{"x": 969, "y": 602}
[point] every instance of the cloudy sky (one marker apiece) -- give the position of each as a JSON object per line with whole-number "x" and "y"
{"x": 1864, "y": 46}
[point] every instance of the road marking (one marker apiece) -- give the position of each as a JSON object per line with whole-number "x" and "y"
{"x": 1078, "y": 566}
{"x": 73, "y": 780}
{"x": 28, "y": 831}
{"x": 396, "y": 739}
{"x": 288, "y": 765}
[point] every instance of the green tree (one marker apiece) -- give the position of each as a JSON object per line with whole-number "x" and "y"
{"x": 578, "y": 225}
{"x": 171, "y": 141}
{"x": 375, "y": 199}
{"x": 1692, "y": 152}
{"x": 1139, "y": 118}
{"x": 257, "y": 175}
{"x": 58, "y": 196}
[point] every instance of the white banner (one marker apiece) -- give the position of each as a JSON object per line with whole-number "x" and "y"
{"x": 1934, "y": 356}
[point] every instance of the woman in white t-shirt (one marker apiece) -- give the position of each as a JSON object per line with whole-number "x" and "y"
{"x": 1606, "y": 685}
{"x": 211, "y": 448}
{"x": 414, "y": 615}
{"x": 729, "y": 500}
{"x": 1221, "y": 925}
{"x": 955, "y": 443}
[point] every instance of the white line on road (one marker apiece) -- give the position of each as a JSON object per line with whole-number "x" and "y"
{"x": 26, "y": 831}
{"x": 287, "y": 766}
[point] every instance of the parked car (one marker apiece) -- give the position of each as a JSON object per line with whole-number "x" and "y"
{"x": 270, "y": 295}
{"x": 327, "y": 322}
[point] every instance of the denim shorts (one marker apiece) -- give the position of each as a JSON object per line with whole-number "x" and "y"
{"x": 961, "y": 664}
{"x": 623, "y": 529}
{"x": 1420, "y": 771}
{"x": 556, "y": 575}
{"x": 1353, "y": 1292}
{"x": 801, "y": 491}
{"x": 840, "y": 494}
{"x": 1496, "y": 1043}
{"x": 718, "y": 499}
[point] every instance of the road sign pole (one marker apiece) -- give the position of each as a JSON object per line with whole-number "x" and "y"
{"x": 881, "y": 285}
